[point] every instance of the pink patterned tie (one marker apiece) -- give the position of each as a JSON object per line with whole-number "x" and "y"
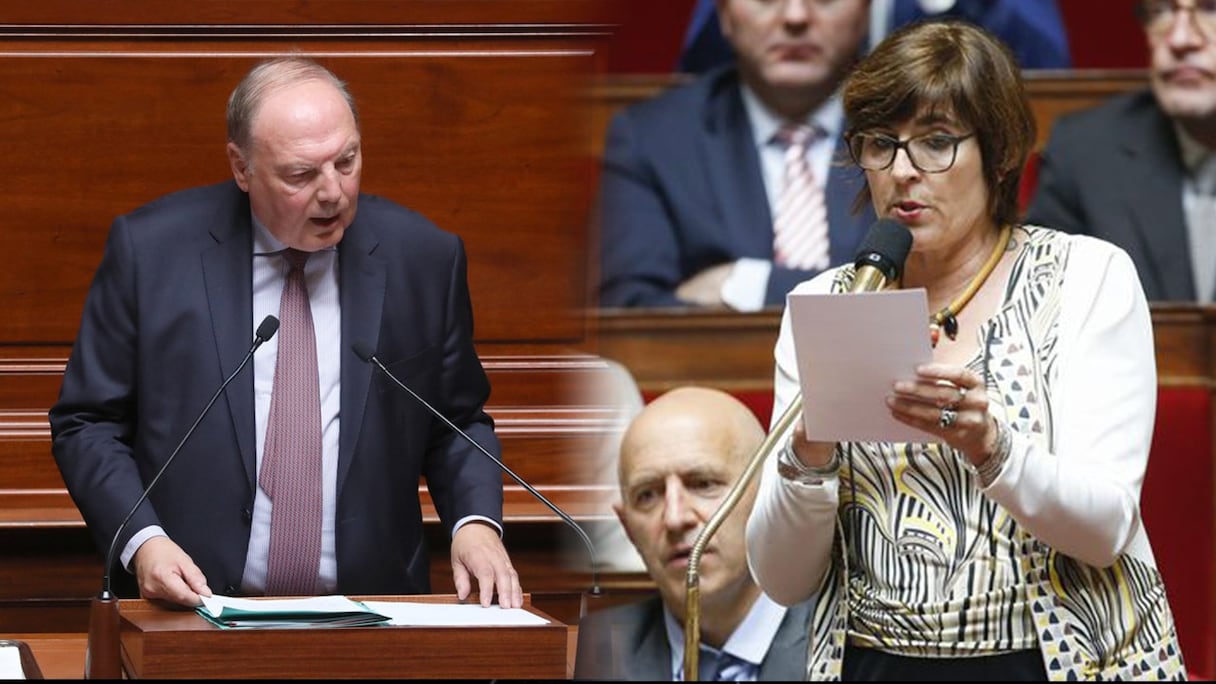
{"x": 291, "y": 460}
{"x": 800, "y": 226}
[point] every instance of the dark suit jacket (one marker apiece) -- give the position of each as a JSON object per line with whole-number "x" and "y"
{"x": 681, "y": 191}
{"x": 169, "y": 316}
{"x": 630, "y": 642}
{"x": 1033, "y": 29}
{"x": 1115, "y": 172}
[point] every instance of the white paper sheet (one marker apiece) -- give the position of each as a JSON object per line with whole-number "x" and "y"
{"x": 851, "y": 349}
{"x": 318, "y": 604}
{"x": 10, "y": 662}
{"x": 405, "y": 613}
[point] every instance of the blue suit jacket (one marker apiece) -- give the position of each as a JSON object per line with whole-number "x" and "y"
{"x": 681, "y": 190}
{"x": 169, "y": 316}
{"x": 630, "y": 642}
{"x": 1115, "y": 172}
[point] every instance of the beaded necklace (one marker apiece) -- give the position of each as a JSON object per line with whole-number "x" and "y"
{"x": 947, "y": 318}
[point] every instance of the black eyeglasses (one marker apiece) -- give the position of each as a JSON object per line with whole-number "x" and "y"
{"x": 930, "y": 153}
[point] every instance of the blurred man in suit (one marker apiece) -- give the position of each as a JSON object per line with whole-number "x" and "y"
{"x": 268, "y": 497}
{"x": 696, "y": 183}
{"x": 1033, "y": 29}
{"x": 1140, "y": 170}
{"x": 679, "y": 458}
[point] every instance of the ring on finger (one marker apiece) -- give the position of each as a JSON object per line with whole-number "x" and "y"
{"x": 947, "y": 417}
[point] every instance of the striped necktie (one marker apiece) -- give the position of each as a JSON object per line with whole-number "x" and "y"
{"x": 800, "y": 224}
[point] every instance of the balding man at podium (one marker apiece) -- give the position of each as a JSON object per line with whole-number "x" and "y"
{"x": 266, "y": 494}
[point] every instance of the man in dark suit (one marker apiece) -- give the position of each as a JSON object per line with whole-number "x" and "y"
{"x": 171, "y": 313}
{"x": 692, "y": 179}
{"x": 679, "y": 458}
{"x": 1033, "y": 29}
{"x": 1140, "y": 170}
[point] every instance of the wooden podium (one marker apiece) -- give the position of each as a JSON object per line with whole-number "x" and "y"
{"x": 160, "y": 643}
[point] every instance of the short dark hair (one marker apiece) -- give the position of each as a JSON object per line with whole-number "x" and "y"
{"x": 960, "y": 67}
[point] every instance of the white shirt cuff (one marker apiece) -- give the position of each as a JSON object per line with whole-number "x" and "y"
{"x": 474, "y": 518}
{"x": 744, "y": 288}
{"x": 128, "y": 551}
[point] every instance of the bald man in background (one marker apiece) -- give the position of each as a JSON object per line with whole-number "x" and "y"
{"x": 679, "y": 458}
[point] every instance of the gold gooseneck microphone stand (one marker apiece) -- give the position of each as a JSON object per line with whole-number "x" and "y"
{"x": 879, "y": 261}
{"x": 692, "y": 582}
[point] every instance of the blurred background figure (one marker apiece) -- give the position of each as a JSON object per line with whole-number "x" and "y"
{"x": 1140, "y": 170}
{"x": 1033, "y": 29}
{"x": 722, "y": 192}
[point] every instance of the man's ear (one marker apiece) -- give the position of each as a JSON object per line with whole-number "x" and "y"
{"x": 620, "y": 515}
{"x": 240, "y": 167}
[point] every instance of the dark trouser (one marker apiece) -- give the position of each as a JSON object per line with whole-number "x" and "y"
{"x": 872, "y": 665}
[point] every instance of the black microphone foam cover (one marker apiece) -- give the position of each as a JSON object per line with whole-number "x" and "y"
{"x": 886, "y": 248}
{"x": 267, "y": 329}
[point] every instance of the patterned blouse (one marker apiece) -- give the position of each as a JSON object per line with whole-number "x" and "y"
{"x": 926, "y": 563}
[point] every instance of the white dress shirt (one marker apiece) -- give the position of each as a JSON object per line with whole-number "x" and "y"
{"x": 321, "y": 277}
{"x": 1199, "y": 208}
{"x": 745, "y": 287}
{"x": 749, "y": 642}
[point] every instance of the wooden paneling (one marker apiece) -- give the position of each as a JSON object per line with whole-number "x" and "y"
{"x": 735, "y": 351}
{"x": 359, "y": 17}
{"x": 108, "y": 127}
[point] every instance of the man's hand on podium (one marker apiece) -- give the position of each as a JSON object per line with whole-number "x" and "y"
{"x": 167, "y": 573}
{"x": 477, "y": 552}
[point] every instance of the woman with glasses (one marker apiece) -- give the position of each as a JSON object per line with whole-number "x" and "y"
{"x": 1011, "y": 545}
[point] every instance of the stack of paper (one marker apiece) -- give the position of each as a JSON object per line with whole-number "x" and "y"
{"x": 319, "y": 611}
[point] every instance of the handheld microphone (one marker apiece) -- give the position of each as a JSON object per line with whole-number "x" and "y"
{"x": 102, "y": 659}
{"x": 880, "y": 260}
{"x": 364, "y": 352}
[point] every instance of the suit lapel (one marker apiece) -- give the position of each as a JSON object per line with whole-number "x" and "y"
{"x": 733, "y": 168}
{"x": 786, "y": 657}
{"x": 651, "y": 653}
{"x": 228, "y": 278}
{"x": 362, "y": 280}
{"x": 846, "y": 229}
{"x": 1151, "y": 188}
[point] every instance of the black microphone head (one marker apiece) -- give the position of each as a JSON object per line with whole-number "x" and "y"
{"x": 885, "y": 247}
{"x": 363, "y": 350}
{"x": 267, "y": 329}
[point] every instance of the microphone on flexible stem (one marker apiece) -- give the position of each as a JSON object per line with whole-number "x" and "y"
{"x": 102, "y": 659}
{"x": 879, "y": 261}
{"x": 364, "y": 352}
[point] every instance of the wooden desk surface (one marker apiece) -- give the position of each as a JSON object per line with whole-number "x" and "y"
{"x": 62, "y": 655}
{"x": 59, "y": 656}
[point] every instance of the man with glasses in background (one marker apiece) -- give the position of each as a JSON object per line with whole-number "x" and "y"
{"x": 1140, "y": 170}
